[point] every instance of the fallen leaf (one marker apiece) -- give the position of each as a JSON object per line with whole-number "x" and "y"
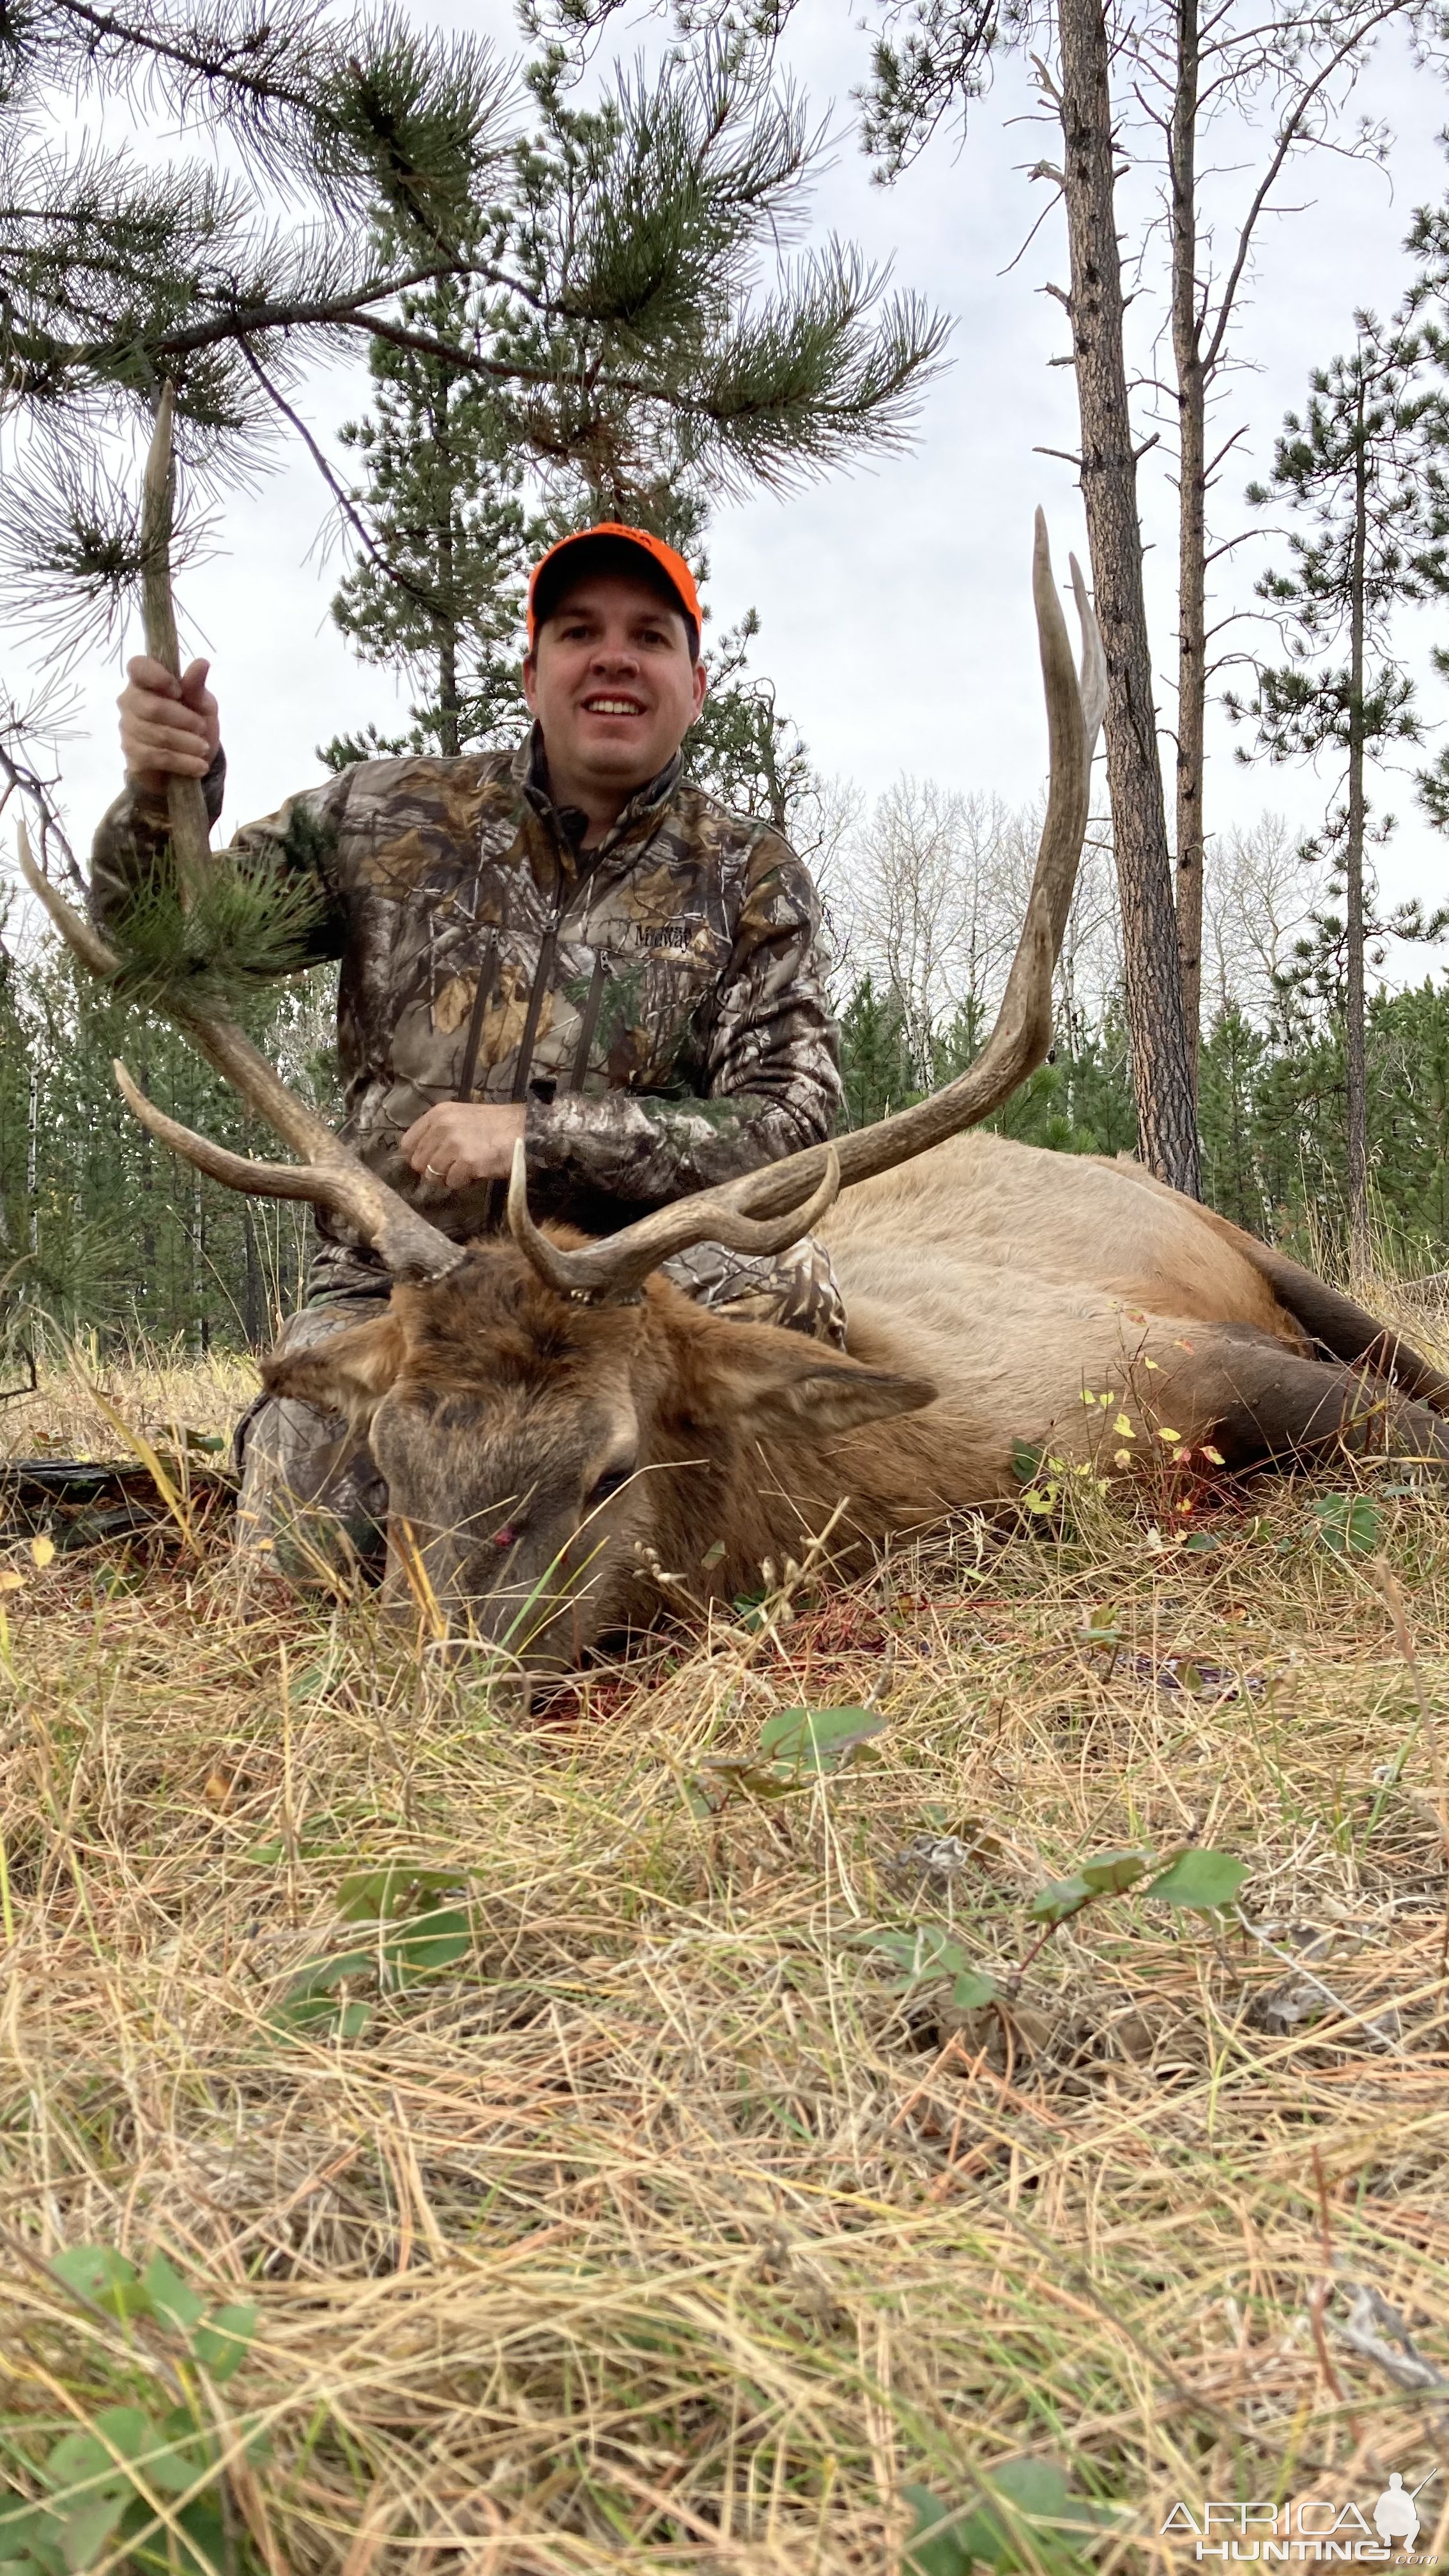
{"x": 11, "y": 1582}
{"x": 42, "y": 1550}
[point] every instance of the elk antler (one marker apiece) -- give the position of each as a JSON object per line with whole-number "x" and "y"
{"x": 597, "y": 1270}
{"x": 185, "y": 797}
{"x": 332, "y": 1175}
{"x": 1018, "y": 1042}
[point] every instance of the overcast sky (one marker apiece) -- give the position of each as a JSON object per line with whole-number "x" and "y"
{"x": 894, "y": 602}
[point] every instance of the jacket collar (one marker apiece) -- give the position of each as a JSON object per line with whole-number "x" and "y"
{"x": 529, "y": 770}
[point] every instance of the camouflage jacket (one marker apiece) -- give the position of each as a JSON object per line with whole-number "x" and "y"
{"x": 655, "y": 1001}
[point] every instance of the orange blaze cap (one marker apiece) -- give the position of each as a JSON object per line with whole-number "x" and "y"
{"x": 664, "y": 559}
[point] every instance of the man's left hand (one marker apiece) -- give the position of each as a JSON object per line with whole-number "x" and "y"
{"x": 461, "y": 1142}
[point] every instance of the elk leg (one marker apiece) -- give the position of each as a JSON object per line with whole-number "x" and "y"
{"x": 1264, "y": 1405}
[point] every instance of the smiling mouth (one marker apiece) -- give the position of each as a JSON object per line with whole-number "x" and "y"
{"x": 612, "y": 707}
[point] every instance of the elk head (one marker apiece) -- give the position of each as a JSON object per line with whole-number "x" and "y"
{"x": 542, "y": 1451}
{"x": 542, "y": 1408}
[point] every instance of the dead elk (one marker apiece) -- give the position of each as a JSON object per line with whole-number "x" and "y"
{"x": 548, "y": 1411}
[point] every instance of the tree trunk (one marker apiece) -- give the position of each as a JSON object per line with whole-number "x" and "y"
{"x": 1191, "y": 525}
{"x": 1161, "y": 1080}
{"x": 1355, "y": 1068}
{"x": 449, "y": 702}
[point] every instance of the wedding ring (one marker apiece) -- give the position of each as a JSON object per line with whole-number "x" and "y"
{"x": 432, "y": 1171}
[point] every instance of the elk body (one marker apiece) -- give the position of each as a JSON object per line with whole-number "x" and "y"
{"x": 535, "y": 1445}
{"x": 549, "y": 1413}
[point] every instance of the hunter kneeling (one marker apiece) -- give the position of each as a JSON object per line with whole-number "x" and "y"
{"x": 566, "y": 943}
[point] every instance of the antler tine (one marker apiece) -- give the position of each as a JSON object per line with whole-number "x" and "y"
{"x": 408, "y": 1246}
{"x": 614, "y": 1271}
{"x": 83, "y": 942}
{"x": 185, "y": 797}
{"x": 332, "y": 1175}
{"x": 1022, "y": 1033}
{"x": 1017, "y": 1044}
{"x": 1093, "y": 683}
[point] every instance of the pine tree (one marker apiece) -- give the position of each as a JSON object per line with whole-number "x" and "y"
{"x": 445, "y": 534}
{"x": 1359, "y": 465}
{"x": 610, "y": 286}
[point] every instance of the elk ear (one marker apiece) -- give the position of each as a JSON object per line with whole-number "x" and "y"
{"x": 349, "y": 1373}
{"x": 777, "y": 1379}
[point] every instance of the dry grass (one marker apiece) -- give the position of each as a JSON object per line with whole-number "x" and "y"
{"x": 658, "y": 2230}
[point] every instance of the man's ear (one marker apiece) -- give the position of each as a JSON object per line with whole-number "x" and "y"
{"x": 349, "y": 1373}
{"x": 768, "y": 1380}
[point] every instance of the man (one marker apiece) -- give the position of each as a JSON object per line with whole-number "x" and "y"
{"x": 567, "y": 943}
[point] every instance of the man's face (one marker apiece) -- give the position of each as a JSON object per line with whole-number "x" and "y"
{"x": 611, "y": 683}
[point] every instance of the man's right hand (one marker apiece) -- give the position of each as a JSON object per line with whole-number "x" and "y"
{"x": 169, "y": 728}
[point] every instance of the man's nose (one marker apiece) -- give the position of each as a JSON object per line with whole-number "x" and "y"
{"x": 616, "y": 654}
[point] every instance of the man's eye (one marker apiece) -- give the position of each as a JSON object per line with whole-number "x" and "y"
{"x": 611, "y": 1482}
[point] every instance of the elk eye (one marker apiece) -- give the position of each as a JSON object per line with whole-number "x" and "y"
{"x": 611, "y": 1482}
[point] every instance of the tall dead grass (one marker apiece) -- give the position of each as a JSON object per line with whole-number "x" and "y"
{"x": 657, "y": 2228}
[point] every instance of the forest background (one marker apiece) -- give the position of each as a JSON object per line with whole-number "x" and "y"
{"x": 895, "y": 628}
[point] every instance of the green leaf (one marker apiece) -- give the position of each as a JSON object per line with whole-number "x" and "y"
{"x": 1200, "y": 1878}
{"x": 1064, "y": 1898}
{"x": 29, "y": 2538}
{"x": 428, "y": 1943}
{"x": 170, "y": 2298}
{"x": 221, "y": 2345}
{"x": 205, "y": 2550}
{"x": 1026, "y": 2518}
{"x": 931, "y": 2551}
{"x": 323, "y": 1976}
{"x": 1108, "y": 1873}
{"x": 381, "y": 1895}
{"x": 928, "y": 1953}
{"x": 123, "y": 2429}
{"x": 100, "y": 2274}
{"x": 1348, "y": 1524}
{"x": 816, "y": 1739}
{"x": 86, "y": 2529}
{"x": 1025, "y": 1460}
{"x": 322, "y": 2017}
{"x": 79, "y": 2460}
{"x": 925, "y": 1952}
